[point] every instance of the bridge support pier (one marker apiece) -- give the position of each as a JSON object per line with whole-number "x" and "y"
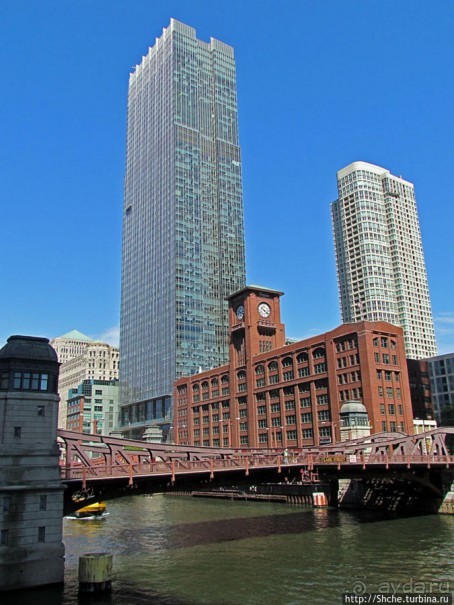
{"x": 447, "y": 503}
{"x": 350, "y": 493}
{"x": 406, "y": 492}
{"x": 31, "y": 492}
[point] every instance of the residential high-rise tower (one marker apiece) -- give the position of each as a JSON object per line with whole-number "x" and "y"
{"x": 183, "y": 234}
{"x": 380, "y": 264}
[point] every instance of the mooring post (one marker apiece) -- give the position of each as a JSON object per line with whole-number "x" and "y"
{"x": 95, "y": 572}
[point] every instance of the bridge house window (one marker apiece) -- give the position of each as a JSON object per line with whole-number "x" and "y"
{"x": 4, "y": 537}
{"x": 41, "y": 534}
{"x": 30, "y": 381}
{"x": 4, "y": 380}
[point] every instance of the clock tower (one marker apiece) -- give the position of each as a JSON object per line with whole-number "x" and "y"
{"x": 255, "y": 323}
{"x": 255, "y": 327}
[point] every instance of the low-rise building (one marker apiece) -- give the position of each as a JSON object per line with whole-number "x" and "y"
{"x": 92, "y": 407}
{"x": 274, "y": 394}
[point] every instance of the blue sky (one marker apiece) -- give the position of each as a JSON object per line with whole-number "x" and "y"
{"x": 321, "y": 83}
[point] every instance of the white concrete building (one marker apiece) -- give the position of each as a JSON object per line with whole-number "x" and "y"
{"x": 98, "y": 361}
{"x": 70, "y": 345}
{"x": 380, "y": 263}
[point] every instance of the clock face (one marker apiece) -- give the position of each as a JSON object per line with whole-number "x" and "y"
{"x": 264, "y": 310}
{"x": 240, "y": 311}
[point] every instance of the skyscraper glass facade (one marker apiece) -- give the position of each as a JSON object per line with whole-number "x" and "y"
{"x": 380, "y": 263}
{"x": 183, "y": 233}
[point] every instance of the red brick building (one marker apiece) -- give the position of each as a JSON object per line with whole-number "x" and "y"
{"x": 278, "y": 395}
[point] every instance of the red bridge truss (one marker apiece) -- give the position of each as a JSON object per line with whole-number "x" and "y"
{"x": 86, "y": 457}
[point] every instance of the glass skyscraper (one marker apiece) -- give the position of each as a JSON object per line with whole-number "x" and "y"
{"x": 380, "y": 263}
{"x": 183, "y": 232}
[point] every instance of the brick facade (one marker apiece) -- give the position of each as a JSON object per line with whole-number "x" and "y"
{"x": 277, "y": 395}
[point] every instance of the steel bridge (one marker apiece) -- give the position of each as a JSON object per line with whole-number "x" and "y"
{"x": 89, "y": 458}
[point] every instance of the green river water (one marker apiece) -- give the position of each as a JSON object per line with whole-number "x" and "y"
{"x": 189, "y": 551}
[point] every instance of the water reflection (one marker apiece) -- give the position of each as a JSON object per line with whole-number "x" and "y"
{"x": 183, "y": 551}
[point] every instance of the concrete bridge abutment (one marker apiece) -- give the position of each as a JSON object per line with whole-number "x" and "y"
{"x": 31, "y": 492}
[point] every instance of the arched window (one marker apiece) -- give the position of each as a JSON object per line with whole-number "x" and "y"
{"x": 259, "y": 370}
{"x": 287, "y": 362}
{"x": 318, "y": 353}
{"x": 272, "y": 366}
{"x": 214, "y": 382}
{"x": 302, "y": 357}
{"x": 205, "y": 384}
{"x": 225, "y": 379}
{"x": 195, "y": 388}
{"x": 241, "y": 375}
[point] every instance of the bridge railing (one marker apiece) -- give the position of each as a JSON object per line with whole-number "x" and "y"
{"x": 310, "y": 461}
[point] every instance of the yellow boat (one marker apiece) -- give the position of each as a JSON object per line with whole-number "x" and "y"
{"x": 97, "y": 509}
